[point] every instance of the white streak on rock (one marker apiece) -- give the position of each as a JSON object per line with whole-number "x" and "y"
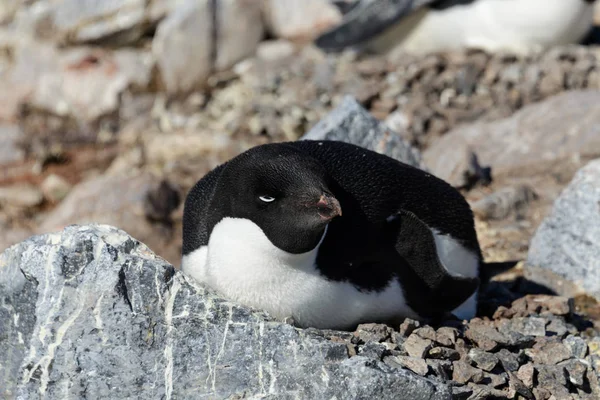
{"x": 168, "y": 353}
{"x": 98, "y": 319}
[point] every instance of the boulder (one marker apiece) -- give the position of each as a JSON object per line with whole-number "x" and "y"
{"x": 300, "y": 19}
{"x": 197, "y": 39}
{"x": 92, "y": 312}
{"x": 556, "y": 135}
{"x": 567, "y": 243}
{"x": 351, "y": 123}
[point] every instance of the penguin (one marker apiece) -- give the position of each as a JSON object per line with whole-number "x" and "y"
{"x": 332, "y": 235}
{"x": 426, "y": 26}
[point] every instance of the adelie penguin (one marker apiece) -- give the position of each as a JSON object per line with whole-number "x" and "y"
{"x": 423, "y": 26}
{"x": 332, "y": 235}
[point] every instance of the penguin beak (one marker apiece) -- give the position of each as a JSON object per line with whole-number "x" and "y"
{"x": 328, "y": 207}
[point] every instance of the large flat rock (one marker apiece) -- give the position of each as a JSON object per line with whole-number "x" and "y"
{"x": 551, "y": 136}
{"x": 92, "y": 313}
{"x": 567, "y": 243}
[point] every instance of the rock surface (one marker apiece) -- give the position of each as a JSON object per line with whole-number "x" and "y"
{"x": 351, "y": 123}
{"x": 196, "y": 33}
{"x": 568, "y": 241}
{"x": 531, "y": 142}
{"x": 91, "y": 312}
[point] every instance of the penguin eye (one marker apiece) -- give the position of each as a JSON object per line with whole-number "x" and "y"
{"x": 267, "y": 199}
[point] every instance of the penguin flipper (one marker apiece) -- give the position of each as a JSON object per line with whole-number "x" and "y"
{"x": 195, "y": 229}
{"x": 365, "y": 20}
{"x": 415, "y": 243}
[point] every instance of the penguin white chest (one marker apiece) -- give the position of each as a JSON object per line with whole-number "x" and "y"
{"x": 241, "y": 263}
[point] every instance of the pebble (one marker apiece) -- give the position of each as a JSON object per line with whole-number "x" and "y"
{"x": 21, "y": 196}
{"x": 576, "y": 345}
{"x": 417, "y": 365}
{"x": 482, "y": 359}
{"x": 526, "y": 374}
{"x": 408, "y": 326}
{"x": 372, "y": 333}
{"x": 463, "y": 373}
{"x": 416, "y": 346}
{"x": 55, "y": 188}
{"x": 443, "y": 353}
{"x": 549, "y": 352}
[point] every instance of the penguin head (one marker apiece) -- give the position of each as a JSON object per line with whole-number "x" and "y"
{"x": 287, "y": 194}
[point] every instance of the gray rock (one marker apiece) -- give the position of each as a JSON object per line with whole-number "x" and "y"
{"x": 549, "y": 352}
{"x": 351, "y": 123}
{"x": 576, "y": 371}
{"x": 92, "y": 313}
{"x": 576, "y": 345}
{"x": 482, "y": 359}
{"x": 195, "y": 34}
{"x": 372, "y": 332}
{"x": 532, "y": 326}
{"x": 568, "y": 241}
{"x": 503, "y": 202}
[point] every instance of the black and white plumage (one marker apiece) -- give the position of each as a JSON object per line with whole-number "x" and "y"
{"x": 422, "y": 26}
{"x": 332, "y": 235}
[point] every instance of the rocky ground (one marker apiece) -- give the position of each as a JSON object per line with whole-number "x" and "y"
{"x": 99, "y": 123}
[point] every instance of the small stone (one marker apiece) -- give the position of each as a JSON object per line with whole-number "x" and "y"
{"x": 426, "y": 332}
{"x": 55, "y": 188}
{"x": 559, "y": 305}
{"x": 20, "y": 196}
{"x": 372, "y": 333}
{"x": 557, "y": 327}
{"x": 526, "y": 374}
{"x": 416, "y": 346}
{"x": 510, "y": 361}
{"x": 594, "y": 346}
{"x": 463, "y": 373}
{"x": 549, "y": 352}
{"x": 516, "y": 386}
{"x": 482, "y": 359}
{"x": 372, "y": 350}
{"x": 443, "y": 353}
{"x": 576, "y": 371}
{"x": 576, "y": 345}
{"x": 408, "y": 326}
{"x": 550, "y": 375}
{"x": 397, "y": 338}
{"x": 446, "y": 336}
{"x": 485, "y": 336}
{"x": 461, "y": 392}
{"x": 531, "y": 326}
{"x": 495, "y": 380}
{"x": 441, "y": 368}
{"x": 417, "y": 365}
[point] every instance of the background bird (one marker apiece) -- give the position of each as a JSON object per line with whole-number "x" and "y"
{"x": 422, "y": 26}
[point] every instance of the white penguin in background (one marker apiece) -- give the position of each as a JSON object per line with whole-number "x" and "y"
{"x": 425, "y": 26}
